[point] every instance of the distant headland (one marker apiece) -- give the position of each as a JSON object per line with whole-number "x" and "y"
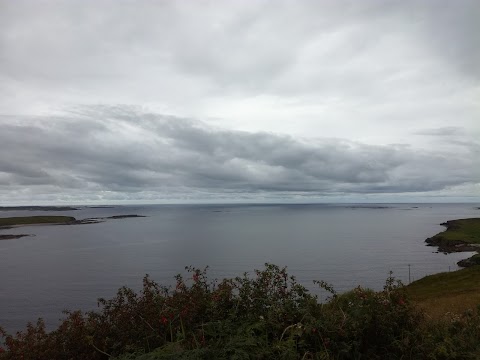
{"x": 461, "y": 235}
{"x": 37, "y": 208}
{"x": 13, "y": 222}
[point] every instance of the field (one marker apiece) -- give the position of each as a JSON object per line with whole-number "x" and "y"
{"x": 462, "y": 230}
{"x": 447, "y": 293}
{"x": 34, "y": 220}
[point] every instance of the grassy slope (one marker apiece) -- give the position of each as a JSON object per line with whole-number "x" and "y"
{"x": 456, "y": 291}
{"x": 452, "y": 292}
{"x": 466, "y": 230}
{"x": 30, "y": 220}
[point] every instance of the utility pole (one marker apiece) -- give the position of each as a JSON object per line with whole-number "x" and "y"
{"x": 409, "y": 278}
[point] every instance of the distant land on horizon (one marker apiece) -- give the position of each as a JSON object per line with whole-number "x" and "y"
{"x": 54, "y": 206}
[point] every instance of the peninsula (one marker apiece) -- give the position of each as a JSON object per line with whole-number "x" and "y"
{"x": 460, "y": 235}
{"x": 11, "y": 222}
{"x": 37, "y": 208}
{"x": 34, "y": 220}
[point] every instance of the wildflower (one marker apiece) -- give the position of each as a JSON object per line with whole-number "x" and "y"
{"x": 195, "y": 277}
{"x": 401, "y": 302}
{"x": 164, "y": 320}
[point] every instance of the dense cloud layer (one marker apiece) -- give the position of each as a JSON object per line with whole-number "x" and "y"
{"x": 292, "y": 99}
{"x": 97, "y": 152}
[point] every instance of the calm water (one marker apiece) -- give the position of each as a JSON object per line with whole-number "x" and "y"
{"x": 69, "y": 267}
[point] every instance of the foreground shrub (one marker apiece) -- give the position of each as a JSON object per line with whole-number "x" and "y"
{"x": 265, "y": 316}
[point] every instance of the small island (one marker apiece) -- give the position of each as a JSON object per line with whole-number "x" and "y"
{"x": 460, "y": 235}
{"x": 124, "y": 216}
{"x": 374, "y": 207}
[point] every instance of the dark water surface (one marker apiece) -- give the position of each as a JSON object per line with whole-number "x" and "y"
{"x": 69, "y": 267}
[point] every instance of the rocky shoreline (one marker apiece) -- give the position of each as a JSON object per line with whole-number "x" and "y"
{"x": 471, "y": 261}
{"x": 448, "y": 244}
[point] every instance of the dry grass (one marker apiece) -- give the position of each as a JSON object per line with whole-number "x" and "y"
{"x": 452, "y": 292}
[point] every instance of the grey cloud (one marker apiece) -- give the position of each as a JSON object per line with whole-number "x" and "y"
{"x": 120, "y": 149}
{"x": 452, "y": 31}
{"x": 442, "y": 131}
{"x": 253, "y": 47}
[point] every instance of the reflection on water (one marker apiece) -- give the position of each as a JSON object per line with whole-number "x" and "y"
{"x": 69, "y": 267}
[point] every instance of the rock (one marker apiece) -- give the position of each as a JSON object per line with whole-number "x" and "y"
{"x": 12, "y": 236}
{"x": 124, "y": 216}
{"x": 472, "y": 261}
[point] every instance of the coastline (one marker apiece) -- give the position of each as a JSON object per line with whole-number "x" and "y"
{"x": 17, "y": 222}
{"x": 461, "y": 235}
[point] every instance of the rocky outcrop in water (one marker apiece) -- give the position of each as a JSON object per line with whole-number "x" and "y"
{"x": 11, "y": 236}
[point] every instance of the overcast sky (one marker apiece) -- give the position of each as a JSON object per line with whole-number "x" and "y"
{"x": 109, "y": 101}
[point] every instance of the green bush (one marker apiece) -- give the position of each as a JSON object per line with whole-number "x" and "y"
{"x": 264, "y": 316}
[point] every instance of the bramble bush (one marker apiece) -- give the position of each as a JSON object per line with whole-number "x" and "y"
{"x": 265, "y": 316}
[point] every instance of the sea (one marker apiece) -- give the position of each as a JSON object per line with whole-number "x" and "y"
{"x": 68, "y": 267}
